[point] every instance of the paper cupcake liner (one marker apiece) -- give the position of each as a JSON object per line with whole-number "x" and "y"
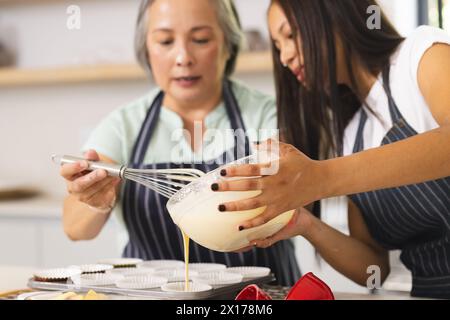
{"x": 250, "y": 272}
{"x": 96, "y": 279}
{"x": 162, "y": 264}
{"x": 131, "y": 271}
{"x": 175, "y": 275}
{"x": 122, "y": 262}
{"x": 55, "y": 275}
{"x": 141, "y": 282}
{"x": 93, "y": 268}
{"x": 218, "y": 278}
{"x": 181, "y": 287}
{"x": 207, "y": 267}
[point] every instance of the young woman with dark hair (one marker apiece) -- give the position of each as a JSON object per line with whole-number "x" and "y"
{"x": 363, "y": 113}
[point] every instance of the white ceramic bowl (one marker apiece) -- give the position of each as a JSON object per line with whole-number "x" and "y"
{"x": 195, "y": 209}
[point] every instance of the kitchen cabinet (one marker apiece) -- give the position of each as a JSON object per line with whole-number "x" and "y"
{"x": 18, "y": 243}
{"x": 31, "y": 234}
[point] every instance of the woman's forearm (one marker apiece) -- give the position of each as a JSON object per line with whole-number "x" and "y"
{"x": 347, "y": 255}
{"x": 421, "y": 158}
{"x": 80, "y": 222}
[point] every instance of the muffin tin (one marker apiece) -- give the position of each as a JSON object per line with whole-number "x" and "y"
{"x": 127, "y": 286}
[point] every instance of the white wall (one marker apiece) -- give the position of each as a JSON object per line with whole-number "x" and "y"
{"x": 402, "y": 13}
{"x": 43, "y": 39}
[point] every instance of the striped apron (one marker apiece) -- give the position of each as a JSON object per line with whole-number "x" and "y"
{"x": 152, "y": 233}
{"x": 413, "y": 218}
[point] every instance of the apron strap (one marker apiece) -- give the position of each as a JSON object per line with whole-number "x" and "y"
{"x": 147, "y": 129}
{"x": 359, "y": 141}
{"x": 241, "y": 141}
{"x": 396, "y": 116}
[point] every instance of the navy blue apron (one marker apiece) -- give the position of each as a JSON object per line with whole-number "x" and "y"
{"x": 152, "y": 233}
{"x": 414, "y": 218}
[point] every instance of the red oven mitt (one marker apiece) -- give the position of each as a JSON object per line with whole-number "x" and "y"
{"x": 309, "y": 287}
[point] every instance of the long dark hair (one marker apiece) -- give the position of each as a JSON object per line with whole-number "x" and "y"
{"x": 314, "y": 118}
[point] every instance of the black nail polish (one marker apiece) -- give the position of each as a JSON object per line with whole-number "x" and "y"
{"x": 222, "y": 208}
{"x": 241, "y": 228}
{"x": 223, "y": 173}
{"x": 258, "y": 143}
{"x": 215, "y": 187}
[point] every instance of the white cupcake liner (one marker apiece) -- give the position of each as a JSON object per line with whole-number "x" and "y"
{"x": 207, "y": 267}
{"x": 96, "y": 279}
{"x": 56, "y": 274}
{"x": 93, "y": 268}
{"x": 162, "y": 264}
{"x": 141, "y": 282}
{"x": 175, "y": 275}
{"x": 219, "y": 278}
{"x": 131, "y": 271}
{"x": 121, "y": 262}
{"x": 181, "y": 287}
{"x": 250, "y": 272}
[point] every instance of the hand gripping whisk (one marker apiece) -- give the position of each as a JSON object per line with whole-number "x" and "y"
{"x": 166, "y": 182}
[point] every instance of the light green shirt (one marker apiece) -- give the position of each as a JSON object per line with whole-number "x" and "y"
{"x": 115, "y": 136}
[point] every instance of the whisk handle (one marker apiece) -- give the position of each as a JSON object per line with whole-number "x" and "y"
{"x": 112, "y": 169}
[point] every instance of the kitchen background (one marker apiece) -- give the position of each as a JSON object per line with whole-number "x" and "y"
{"x": 55, "y": 86}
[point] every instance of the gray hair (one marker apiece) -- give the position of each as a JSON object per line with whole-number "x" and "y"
{"x": 228, "y": 21}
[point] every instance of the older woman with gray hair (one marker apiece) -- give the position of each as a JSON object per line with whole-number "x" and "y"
{"x": 189, "y": 48}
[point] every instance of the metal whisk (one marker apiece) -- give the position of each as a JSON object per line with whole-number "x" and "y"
{"x": 166, "y": 182}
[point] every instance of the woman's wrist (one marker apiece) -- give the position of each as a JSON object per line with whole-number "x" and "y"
{"x": 308, "y": 226}
{"x": 305, "y": 223}
{"x": 331, "y": 180}
{"x": 322, "y": 182}
{"x": 103, "y": 210}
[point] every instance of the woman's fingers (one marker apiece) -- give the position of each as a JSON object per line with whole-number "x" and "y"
{"x": 267, "y": 144}
{"x": 268, "y": 214}
{"x": 270, "y": 241}
{"x": 245, "y": 170}
{"x": 81, "y": 184}
{"x": 238, "y": 185}
{"x": 274, "y": 146}
{"x": 73, "y": 171}
{"x": 242, "y": 205}
{"x": 91, "y": 155}
{"x": 98, "y": 188}
{"x": 245, "y": 249}
{"x": 265, "y": 243}
{"x": 105, "y": 194}
{"x": 263, "y": 218}
{"x": 268, "y": 162}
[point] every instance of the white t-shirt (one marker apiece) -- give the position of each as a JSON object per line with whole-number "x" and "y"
{"x": 408, "y": 97}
